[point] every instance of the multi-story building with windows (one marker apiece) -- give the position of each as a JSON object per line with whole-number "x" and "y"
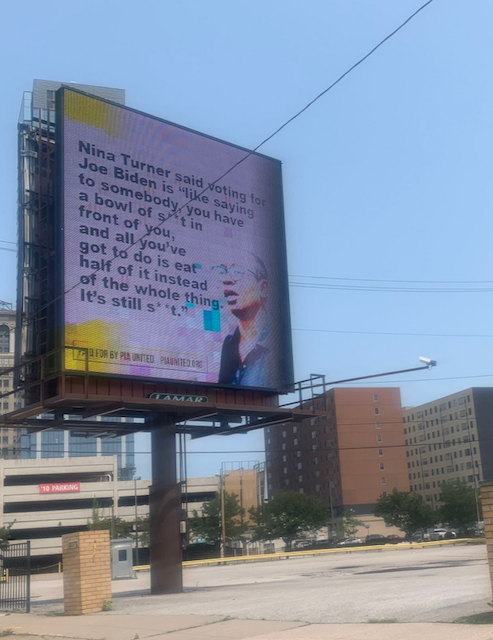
{"x": 9, "y": 438}
{"x": 67, "y": 444}
{"x": 349, "y": 457}
{"x": 449, "y": 439}
{"x": 45, "y": 498}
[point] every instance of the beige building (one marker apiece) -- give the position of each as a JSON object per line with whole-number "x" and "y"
{"x": 10, "y": 438}
{"x": 449, "y": 439}
{"x": 48, "y": 497}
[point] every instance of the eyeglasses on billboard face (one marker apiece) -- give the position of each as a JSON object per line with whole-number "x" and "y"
{"x": 234, "y": 274}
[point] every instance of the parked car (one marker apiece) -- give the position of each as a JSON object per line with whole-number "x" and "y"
{"x": 420, "y": 536}
{"x": 442, "y": 534}
{"x": 376, "y": 538}
{"x": 348, "y": 542}
{"x": 395, "y": 539}
{"x": 302, "y": 544}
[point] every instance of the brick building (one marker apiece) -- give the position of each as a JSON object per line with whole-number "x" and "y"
{"x": 349, "y": 457}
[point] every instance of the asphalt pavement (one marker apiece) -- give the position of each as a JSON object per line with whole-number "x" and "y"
{"x": 420, "y": 585}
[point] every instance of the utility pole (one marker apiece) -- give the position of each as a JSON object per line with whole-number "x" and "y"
{"x": 330, "y": 529}
{"x": 136, "y": 524}
{"x": 223, "y": 519}
{"x": 222, "y": 477}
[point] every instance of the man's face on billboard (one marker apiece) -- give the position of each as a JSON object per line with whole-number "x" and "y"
{"x": 243, "y": 288}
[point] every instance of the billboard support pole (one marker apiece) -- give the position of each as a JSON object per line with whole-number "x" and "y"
{"x": 165, "y": 513}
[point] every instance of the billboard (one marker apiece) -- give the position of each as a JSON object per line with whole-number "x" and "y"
{"x": 169, "y": 271}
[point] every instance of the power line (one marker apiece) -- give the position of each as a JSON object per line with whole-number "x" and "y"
{"x": 401, "y": 333}
{"x": 336, "y": 287}
{"x": 484, "y": 375}
{"x": 272, "y": 135}
{"x": 347, "y": 279}
{"x": 397, "y": 281}
{"x": 417, "y": 445}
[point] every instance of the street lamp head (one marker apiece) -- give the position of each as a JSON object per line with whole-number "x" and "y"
{"x": 428, "y": 362}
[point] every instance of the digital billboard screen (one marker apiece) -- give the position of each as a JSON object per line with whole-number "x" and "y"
{"x": 168, "y": 272}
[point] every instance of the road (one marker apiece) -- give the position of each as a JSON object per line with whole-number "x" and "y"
{"x": 421, "y": 585}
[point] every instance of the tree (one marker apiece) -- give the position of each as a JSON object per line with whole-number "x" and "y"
{"x": 209, "y": 525}
{"x": 406, "y": 511}
{"x": 143, "y": 527}
{"x": 5, "y": 534}
{"x": 289, "y": 515}
{"x": 350, "y": 524}
{"x": 458, "y": 505}
{"x": 117, "y": 527}
{"x": 127, "y": 472}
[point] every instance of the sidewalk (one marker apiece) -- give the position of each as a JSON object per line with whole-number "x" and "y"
{"x": 190, "y": 627}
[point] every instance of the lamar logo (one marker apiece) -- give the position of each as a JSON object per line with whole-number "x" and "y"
{"x": 176, "y": 397}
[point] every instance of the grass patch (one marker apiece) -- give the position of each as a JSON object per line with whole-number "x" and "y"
{"x": 477, "y": 618}
{"x": 6, "y": 632}
{"x": 382, "y": 620}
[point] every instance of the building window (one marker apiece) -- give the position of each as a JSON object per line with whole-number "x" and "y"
{"x": 5, "y": 406}
{"x": 375, "y": 397}
{"x": 300, "y": 478}
{"x": 383, "y": 480}
{"x": 378, "y": 425}
{"x": 4, "y": 339}
{"x": 376, "y": 411}
{"x": 379, "y": 437}
{"x": 295, "y": 429}
{"x": 380, "y": 452}
{"x": 382, "y": 466}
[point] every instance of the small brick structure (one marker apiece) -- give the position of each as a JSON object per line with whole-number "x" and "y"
{"x": 86, "y": 571}
{"x": 486, "y": 490}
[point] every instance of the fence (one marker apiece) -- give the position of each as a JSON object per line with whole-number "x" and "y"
{"x": 15, "y": 577}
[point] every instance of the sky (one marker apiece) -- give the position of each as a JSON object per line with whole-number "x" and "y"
{"x": 386, "y": 177}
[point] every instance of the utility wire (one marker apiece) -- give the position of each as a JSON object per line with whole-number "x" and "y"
{"x": 380, "y": 445}
{"x": 335, "y": 287}
{"x": 397, "y": 281}
{"x": 311, "y": 277}
{"x": 400, "y": 333}
{"x": 278, "y": 130}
